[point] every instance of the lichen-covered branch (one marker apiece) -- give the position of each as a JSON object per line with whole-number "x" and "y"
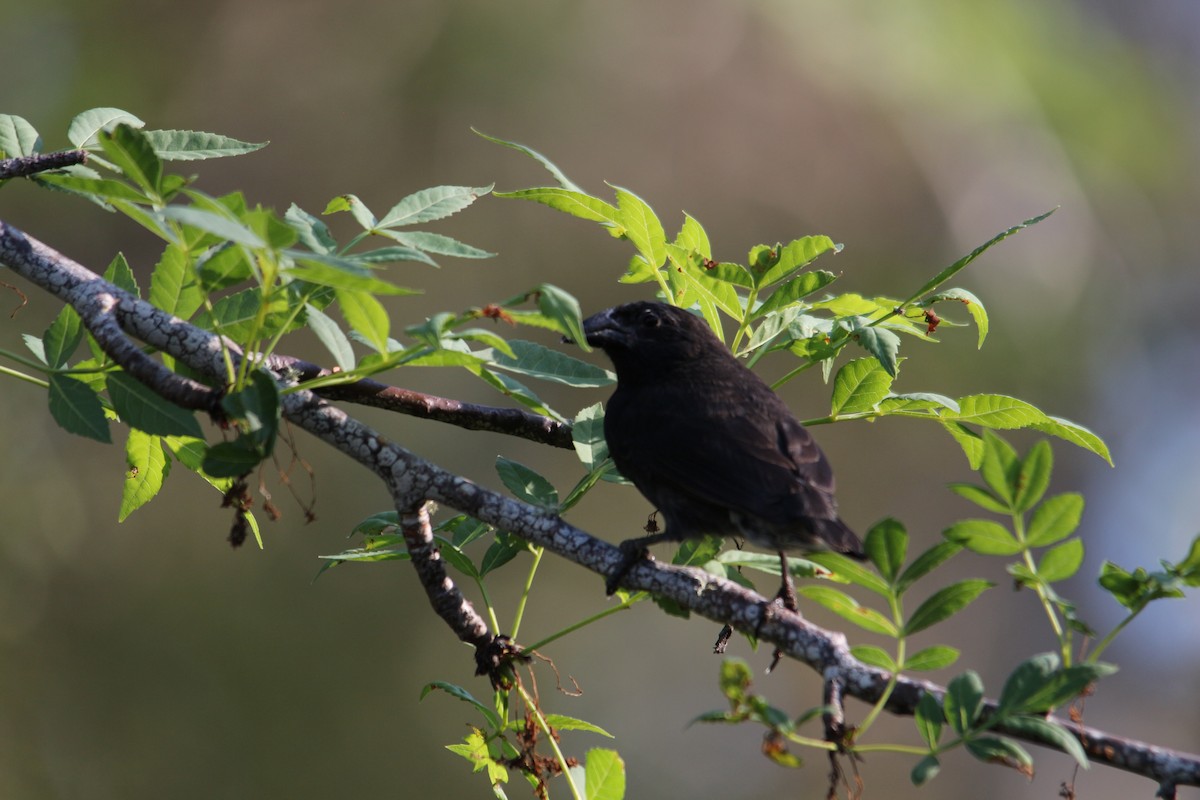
{"x": 412, "y": 480}
{"x": 22, "y": 166}
{"x": 472, "y": 416}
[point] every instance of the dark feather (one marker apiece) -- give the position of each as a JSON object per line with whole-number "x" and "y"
{"x": 707, "y": 441}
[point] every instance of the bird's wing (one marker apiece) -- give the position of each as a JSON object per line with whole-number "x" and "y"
{"x": 756, "y": 460}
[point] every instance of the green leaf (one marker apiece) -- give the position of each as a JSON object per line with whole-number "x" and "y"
{"x": 976, "y": 309}
{"x": 563, "y": 309}
{"x": 211, "y": 222}
{"x": 763, "y": 562}
{"x": 530, "y": 358}
{"x": 511, "y": 387}
{"x": 367, "y": 316}
{"x": 562, "y": 722}
{"x": 147, "y": 469}
{"x": 954, "y": 268}
{"x": 886, "y": 545}
{"x": 500, "y": 552}
{"x": 173, "y": 286}
{"x": 62, "y": 338}
{"x": 641, "y": 227}
{"x": 693, "y": 237}
{"x": 77, "y": 409}
{"x": 458, "y": 559}
{"x": 1001, "y": 467}
{"x": 925, "y": 563}
{"x": 1048, "y": 732}
{"x": 928, "y": 718}
{"x": 1075, "y": 434}
{"x": 430, "y": 204}
{"x": 256, "y": 408}
{"x": 130, "y": 151}
{"x": 984, "y": 537}
{"x": 351, "y": 274}
{"x": 493, "y": 719}
{"x": 980, "y": 497}
{"x": 357, "y": 208}
{"x": 558, "y": 174}
{"x": 331, "y": 336}
{"x": 916, "y": 401}
{"x": 1034, "y": 475}
{"x": 874, "y": 656}
{"x": 945, "y": 603}
{"x": 1190, "y": 566}
{"x": 575, "y": 203}
{"x": 718, "y": 293}
{"x": 140, "y": 407}
{"x": 526, "y": 484}
{"x": 84, "y": 131}
{"x": 970, "y": 441}
{"x": 995, "y": 411}
{"x": 232, "y": 459}
{"x": 731, "y": 273}
{"x": 796, "y": 255}
{"x": 847, "y": 607}
{"x": 313, "y": 232}
{"x": 1026, "y": 680}
{"x": 604, "y": 772}
{"x": 172, "y": 145}
{"x": 859, "y": 386}
{"x": 436, "y": 243}
{"x": 120, "y": 275}
{"x": 1001, "y": 750}
{"x": 587, "y": 434}
{"x": 1055, "y": 519}
{"x": 93, "y": 189}
{"x": 963, "y": 701}
{"x": 925, "y": 770}
{"x": 237, "y": 315}
{"x": 848, "y": 570}
{"x": 17, "y": 137}
{"x": 793, "y": 290}
{"x": 879, "y": 342}
{"x": 1061, "y": 562}
{"x": 1040, "y": 684}
{"x": 931, "y": 658}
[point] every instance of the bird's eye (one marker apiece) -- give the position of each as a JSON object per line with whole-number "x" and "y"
{"x": 650, "y": 319}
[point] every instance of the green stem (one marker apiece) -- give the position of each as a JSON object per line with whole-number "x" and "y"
{"x": 1064, "y": 644}
{"x": 525, "y": 590}
{"x": 487, "y": 602}
{"x": 894, "y": 748}
{"x": 808, "y": 741}
{"x": 23, "y": 361}
{"x": 898, "y": 618}
{"x": 608, "y": 612}
{"x": 744, "y": 325}
{"x": 1107, "y": 640}
{"x": 23, "y": 377}
{"x": 558, "y": 754}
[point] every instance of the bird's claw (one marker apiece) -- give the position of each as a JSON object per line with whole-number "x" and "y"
{"x": 632, "y": 551}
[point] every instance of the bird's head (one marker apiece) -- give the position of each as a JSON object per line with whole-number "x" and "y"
{"x": 642, "y": 335}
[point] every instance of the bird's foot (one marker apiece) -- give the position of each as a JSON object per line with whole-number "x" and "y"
{"x": 632, "y": 551}
{"x": 786, "y": 597}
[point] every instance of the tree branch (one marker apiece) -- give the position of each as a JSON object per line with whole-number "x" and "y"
{"x": 366, "y": 392}
{"x": 412, "y": 480}
{"x": 22, "y": 166}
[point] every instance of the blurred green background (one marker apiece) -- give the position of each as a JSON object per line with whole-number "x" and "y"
{"x": 149, "y": 660}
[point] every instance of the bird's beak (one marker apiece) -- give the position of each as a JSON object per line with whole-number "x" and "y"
{"x": 604, "y": 331}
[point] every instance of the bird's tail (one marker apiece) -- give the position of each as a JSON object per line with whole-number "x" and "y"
{"x": 839, "y": 538}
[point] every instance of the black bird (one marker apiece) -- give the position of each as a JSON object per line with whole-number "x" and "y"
{"x": 708, "y": 443}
